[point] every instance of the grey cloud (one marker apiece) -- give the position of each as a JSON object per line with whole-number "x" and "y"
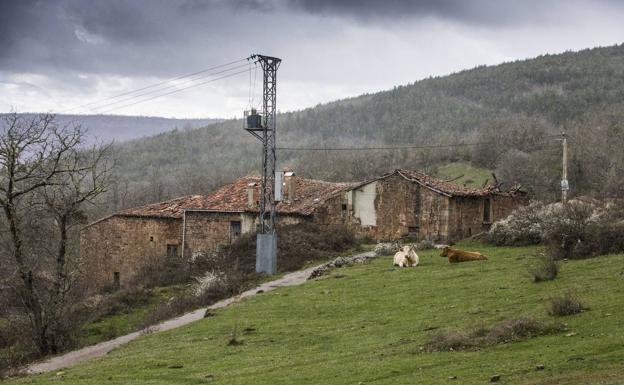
{"x": 496, "y": 13}
{"x": 164, "y": 38}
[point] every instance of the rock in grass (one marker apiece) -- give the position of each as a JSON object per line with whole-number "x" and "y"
{"x": 452, "y": 377}
{"x": 175, "y": 366}
{"x": 495, "y": 378}
{"x": 539, "y": 367}
{"x": 209, "y": 313}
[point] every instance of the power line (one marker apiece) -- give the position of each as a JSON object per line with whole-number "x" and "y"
{"x": 157, "y": 84}
{"x": 158, "y": 90}
{"x": 174, "y": 91}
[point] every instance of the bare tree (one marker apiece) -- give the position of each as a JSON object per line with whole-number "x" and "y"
{"x": 45, "y": 179}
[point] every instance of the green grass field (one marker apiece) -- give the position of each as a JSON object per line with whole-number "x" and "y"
{"x": 469, "y": 175}
{"x": 367, "y": 323}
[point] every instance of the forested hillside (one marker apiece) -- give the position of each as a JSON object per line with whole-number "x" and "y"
{"x": 514, "y": 109}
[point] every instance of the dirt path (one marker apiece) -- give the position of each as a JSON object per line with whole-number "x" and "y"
{"x": 77, "y": 356}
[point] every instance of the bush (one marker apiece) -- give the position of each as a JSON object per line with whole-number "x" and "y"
{"x": 124, "y": 301}
{"x": 581, "y": 228}
{"x": 165, "y": 271}
{"x": 519, "y": 328}
{"x": 449, "y": 340}
{"x": 507, "y": 331}
{"x": 296, "y": 245}
{"x": 522, "y": 227}
{"x": 16, "y": 345}
{"x": 545, "y": 268}
{"x": 584, "y": 228}
{"x": 567, "y": 304}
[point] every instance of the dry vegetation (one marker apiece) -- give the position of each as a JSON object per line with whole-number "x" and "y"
{"x": 509, "y": 330}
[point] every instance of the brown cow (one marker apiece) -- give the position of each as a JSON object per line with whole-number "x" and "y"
{"x": 456, "y": 255}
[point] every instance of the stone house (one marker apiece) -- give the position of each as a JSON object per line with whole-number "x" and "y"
{"x": 115, "y": 248}
{"x": 395, "y": 205}
{"x": 407, "y": 203}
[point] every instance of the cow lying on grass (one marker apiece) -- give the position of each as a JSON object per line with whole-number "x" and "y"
{"x": 456, "y": 255}
{"x": 406, "y": 257}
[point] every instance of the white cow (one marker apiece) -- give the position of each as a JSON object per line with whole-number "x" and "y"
{"x": 406, "y": 257}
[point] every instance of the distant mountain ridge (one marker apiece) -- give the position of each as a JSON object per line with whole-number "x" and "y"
{"x": 121, "y": 128}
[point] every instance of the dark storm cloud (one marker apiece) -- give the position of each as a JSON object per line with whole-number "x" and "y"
{"x": 488, "y": 12}
{"x": 140, "y": 38}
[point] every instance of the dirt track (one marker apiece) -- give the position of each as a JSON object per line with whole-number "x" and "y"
{"x": 77, "y": 356}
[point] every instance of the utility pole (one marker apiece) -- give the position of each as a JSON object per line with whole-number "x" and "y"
{"x": 564, "y": 175}
{"x": 263, "y": 127}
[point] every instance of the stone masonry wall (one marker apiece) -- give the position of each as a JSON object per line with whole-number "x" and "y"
{"x": 397, "y": 205}
{"x": 206, "y": 231}
{"x": 467, "y": 214}
{"x": 434, "y": 216}
{"x": 124, "y": 245}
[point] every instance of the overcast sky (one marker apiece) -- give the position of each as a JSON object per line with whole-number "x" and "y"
{"x": 56, "y": 55}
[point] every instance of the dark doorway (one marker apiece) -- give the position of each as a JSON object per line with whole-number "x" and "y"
{"x": 487, "y": 211}
{"x": 235, "y": 230}
{"x": 116, "y": 282}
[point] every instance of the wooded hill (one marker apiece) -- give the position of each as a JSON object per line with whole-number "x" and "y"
{"x": 513, "y": 108}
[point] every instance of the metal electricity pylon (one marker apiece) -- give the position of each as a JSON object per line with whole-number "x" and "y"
{"x": 262, "y": 126}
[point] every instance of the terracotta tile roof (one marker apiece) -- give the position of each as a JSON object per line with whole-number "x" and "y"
{"x": 309, "y": 194}
{"x": 451, "y": 189}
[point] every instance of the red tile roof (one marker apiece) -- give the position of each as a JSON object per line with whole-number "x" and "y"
{"x": 309, "y": 194}
{"x": 448, "y": 188}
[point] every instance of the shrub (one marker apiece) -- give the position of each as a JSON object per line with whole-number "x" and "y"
{"x": 163, "y": 271}
{"x": 545, "y": 268}
{"x": 566, "y": 230}
{"x": 124, "y": 301}
{"x": 449, "y": 340}
{"x": 507, "y": 331}
{"x": 519, "y": 328}
{"x": 522, "y": 227}
{"x": 583, "y": 228}
{"x": 566, "y": 304}
{"x": 16, "y": 345}
{"x": 296, "y": 245}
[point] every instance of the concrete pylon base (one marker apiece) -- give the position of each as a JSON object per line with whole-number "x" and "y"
{"x": 266, "y": 253}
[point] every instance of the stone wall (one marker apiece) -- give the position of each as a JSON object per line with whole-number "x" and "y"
{"x": 123, "y": 245}
{"x": 397, "y": 204}
{"x": 467, "y": 215}
{"x": 434, "y": 216}
{"x": 206, "y": 231}
{"x": 393, "y": 207}
{"x": 384, "y": 209}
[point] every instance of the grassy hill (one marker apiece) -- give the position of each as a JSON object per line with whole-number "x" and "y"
{"x": 367, "y": 324}
{"x": 513, "y": 108}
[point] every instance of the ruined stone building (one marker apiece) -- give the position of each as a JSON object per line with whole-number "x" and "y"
{"x": 395, "y": 205}
{"x": 411, "y": 204}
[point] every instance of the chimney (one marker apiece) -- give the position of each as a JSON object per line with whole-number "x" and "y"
{"x": 251, "y": 195}
{"x": 289, "y": 184}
